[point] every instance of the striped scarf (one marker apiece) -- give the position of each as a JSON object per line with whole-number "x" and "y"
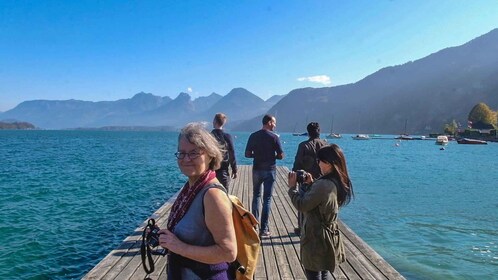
{"x": 186, "y": 197}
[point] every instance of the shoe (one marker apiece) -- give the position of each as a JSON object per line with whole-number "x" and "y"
{"x": 264, "y": 234}
{"x": 297, "y": 231}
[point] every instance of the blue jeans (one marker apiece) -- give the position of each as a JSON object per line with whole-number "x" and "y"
{"x": 267, "y": 178}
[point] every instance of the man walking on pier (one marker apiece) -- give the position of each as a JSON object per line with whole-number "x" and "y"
{"x": 265, "y": 148}
{"x": 226, "y": 141}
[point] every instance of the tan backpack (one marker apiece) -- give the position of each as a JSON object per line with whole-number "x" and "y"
{"x": 248, "y": 242}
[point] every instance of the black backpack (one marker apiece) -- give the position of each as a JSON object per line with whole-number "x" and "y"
{"x": 224, "y": 146}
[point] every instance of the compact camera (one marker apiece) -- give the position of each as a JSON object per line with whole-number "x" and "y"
{"x": 153, "y": 237}
{"x": 151, "y": 234}
{"x": 301, "y": 176}
{"x": 150, "y": 239}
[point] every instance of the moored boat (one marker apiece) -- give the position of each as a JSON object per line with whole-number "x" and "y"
{"x": 404, "y": 137}
{"x": 442, "y": 140}
{"x": 361, "y": 137}
{"x": 334, "y": 135}
{"x": 471, "y": 141}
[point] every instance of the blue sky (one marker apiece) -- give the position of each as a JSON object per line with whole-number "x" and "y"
{"x": 110, "y": 50}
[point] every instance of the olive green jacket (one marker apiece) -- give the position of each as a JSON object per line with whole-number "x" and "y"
{"x": 321, "y": 242}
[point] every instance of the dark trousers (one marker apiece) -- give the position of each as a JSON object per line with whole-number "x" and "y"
{"x": 224, "y": 177}
{"x": 318, "y": 275}
{"x": 302, "y": 189}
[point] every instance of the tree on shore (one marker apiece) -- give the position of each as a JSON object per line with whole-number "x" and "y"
{"x": 16, "y": 125}
{"x": 482, "y": 113}
{"x": 451, "y": 128}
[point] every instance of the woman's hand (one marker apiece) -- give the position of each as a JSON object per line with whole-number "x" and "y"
{"x": 292, "y": 179}
{"x": 308, "y": 180}
{"x": 168, "y": 240}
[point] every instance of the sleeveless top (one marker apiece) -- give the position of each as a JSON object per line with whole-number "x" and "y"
{"x": 192, "y": 229}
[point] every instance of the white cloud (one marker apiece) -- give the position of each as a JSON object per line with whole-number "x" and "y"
{"x": 321, "y": 79}
{"x": 189, "y": 90}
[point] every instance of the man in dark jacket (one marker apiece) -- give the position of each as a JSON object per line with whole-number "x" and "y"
{"x": 264, "y": 147}
{"x": 226, "y": 141}
{"x": 306, "y": 159}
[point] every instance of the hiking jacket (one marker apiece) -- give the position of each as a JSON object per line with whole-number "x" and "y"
{"x": 306, "y": 156}
{"x": 321, "y": 242}
{"x": 232, "y": 162}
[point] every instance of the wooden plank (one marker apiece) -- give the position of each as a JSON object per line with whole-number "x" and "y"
{"x": 286, "y": 221}
{"x": 279, "y": 258}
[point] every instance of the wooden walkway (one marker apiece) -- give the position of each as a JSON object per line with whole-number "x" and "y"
{"x": 280, "y": 253}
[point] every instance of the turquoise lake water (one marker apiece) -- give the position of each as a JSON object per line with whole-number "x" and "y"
{"x": 67, "y": 198}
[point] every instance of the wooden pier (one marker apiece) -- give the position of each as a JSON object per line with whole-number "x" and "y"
{"x": 279, "y": 258}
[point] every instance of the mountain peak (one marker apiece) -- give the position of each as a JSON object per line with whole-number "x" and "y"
{"x": 142, "y": 95}
{"x": 182, "y": 96}
{"x": 240, "y": 91}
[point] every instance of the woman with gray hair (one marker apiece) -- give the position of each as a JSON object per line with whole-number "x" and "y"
{"x": 200, "y": 234}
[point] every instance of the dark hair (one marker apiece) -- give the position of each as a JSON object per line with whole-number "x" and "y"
{"x": 313, "y": 129}
{"x": 267, "y": 118}
{"x": 333, "y": 154}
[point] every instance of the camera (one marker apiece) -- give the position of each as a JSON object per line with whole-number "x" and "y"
{"x": 152, "y": 238}
{"x": 151, "y": 234}
{"x": 301, "y": 176}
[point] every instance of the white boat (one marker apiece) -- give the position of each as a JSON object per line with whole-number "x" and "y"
{"x": 331, "y": 134}
{"x": 334, "y": 135}
{"x": 361, "y": 137}
{"x": 404, "y": 137}
{"x": 442, "y": 140}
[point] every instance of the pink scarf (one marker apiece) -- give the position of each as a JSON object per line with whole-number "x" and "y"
{"x": 186, "y": 197}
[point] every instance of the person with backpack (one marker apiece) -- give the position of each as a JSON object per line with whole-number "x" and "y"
{"x": 322, "y": 249}
{"x": 228, "y": 150}
{"x": 306, "y": 160}
{"x": 200, "y": 234}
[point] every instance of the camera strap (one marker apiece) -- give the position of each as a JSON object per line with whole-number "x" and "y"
{"x": 145, "y": 249}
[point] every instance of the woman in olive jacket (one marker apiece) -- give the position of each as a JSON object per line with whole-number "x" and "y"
{"x": 321, "y": 244}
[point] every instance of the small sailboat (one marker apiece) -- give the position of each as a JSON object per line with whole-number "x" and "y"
{"x": 361, "y": 137}
{"x": 296, "y": 133}
{"x": 333, "y": 135}
{"x": 404, "y": 136}
{"x": 300, "y": 133}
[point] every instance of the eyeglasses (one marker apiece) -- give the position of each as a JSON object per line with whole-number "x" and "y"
{"x": 190, "y": 155}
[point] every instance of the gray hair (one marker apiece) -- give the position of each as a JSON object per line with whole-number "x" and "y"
{"x": 197, "y": 134}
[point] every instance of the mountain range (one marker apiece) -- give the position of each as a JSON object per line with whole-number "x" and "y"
{"x": 417, "y": 97}
{"x": 143, "y": 109}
